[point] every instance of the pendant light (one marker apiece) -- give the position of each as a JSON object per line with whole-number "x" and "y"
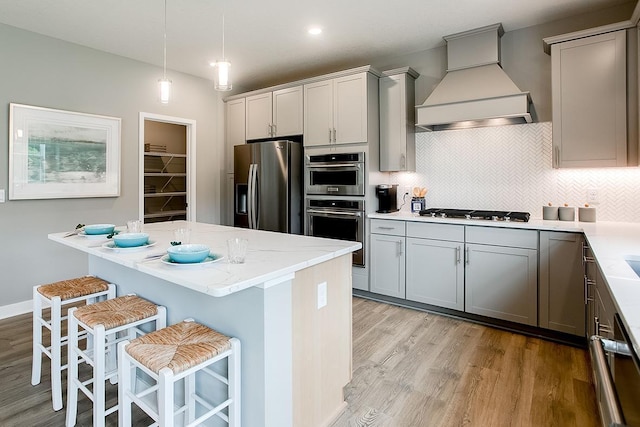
{"x": 165, "y": 84}
{"x": 222, "y": 79}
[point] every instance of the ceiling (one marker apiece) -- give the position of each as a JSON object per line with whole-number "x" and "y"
{"x": 267, "y": 41}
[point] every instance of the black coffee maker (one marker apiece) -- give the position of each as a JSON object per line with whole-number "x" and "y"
{"x": 387, "y": 198}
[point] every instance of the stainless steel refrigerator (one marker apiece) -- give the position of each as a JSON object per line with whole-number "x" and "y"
{"x": 268, "y": 186}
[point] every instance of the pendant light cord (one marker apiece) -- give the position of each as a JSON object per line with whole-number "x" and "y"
{"x": 224, "y": 58}
{"x": 164, "y": 64}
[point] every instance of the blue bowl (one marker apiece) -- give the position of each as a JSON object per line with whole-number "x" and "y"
{"x": 188, "y": 254}
{"x": 130, "y": 240}
{"x": 99, "y": 229}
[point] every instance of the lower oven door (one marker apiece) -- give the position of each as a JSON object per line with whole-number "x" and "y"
{"x": 338, "y": 224}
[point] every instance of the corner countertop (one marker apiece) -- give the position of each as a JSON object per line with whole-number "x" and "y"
{"x": 611, "y": 243}
{"x": 271, "y": 257}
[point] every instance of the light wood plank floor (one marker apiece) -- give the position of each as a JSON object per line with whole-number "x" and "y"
{"x": 411, "y": 369}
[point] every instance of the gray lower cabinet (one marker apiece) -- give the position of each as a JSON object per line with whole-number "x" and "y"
{"x": 387, "y": 258}
{"x": 435, "y": 268}
{"x": 561, "y": 294}
{"x": 501, "y": 276}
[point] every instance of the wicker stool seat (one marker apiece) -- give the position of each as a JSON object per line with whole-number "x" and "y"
{"x": 87, "y": 289}
{"x": 107, "y": 322}
{"x": 74, "y": 288}
{"x": 116, "y": 312}
{"x": 174, "y": 353}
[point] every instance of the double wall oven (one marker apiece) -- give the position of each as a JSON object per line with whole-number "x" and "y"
{"x": 335, "y": 205}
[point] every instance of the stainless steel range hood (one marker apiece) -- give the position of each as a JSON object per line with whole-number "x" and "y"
{"x": 475, "y": 91}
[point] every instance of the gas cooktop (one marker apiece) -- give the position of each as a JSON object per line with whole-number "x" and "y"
{"x": 476, "y": 214}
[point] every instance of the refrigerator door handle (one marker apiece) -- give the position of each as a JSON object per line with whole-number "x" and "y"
{"x": 256, "y": 204}
{"x": 250, "y": 196}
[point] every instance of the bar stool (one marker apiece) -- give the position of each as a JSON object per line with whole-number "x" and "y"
{"x": 169, "y": 355}
{"x": 107, "y": 322}
{"x": 57, "y": 295}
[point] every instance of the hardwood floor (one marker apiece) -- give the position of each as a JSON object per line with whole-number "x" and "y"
{"x": 410, "y": 369}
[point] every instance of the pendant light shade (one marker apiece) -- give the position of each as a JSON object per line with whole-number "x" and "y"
{"x": 164, "y": 83}
{"x": 165, "y": 90}
{"x": 222, "y": 80}
{"x": 222, "y": 77}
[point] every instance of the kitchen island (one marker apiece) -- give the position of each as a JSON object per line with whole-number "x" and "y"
{"x": 289, "y": 304}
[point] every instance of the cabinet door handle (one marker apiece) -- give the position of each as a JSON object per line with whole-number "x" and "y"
{"x": 458, "y": 255}
{"x": 556, "y": 157}
{"x": 403, "y": 161}
{"x": 587, "y": 282}
{"x": 399, "y": 247}
{"x": 334, "y": 135}
{"x": 329, "y": 135}
{"x": 466, "y": 255}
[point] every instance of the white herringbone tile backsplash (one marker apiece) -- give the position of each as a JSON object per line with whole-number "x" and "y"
{"x": 509, "y": 168}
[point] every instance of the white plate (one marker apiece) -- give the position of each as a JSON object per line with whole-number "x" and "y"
{"x": 112, "y": 246}
{"x": 92, "y": 236}
{"x": 95, "y": 236}
{"x": 208, "y": 260}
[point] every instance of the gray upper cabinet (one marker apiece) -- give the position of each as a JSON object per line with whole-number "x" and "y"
{"x": 589, "y": 100}
{"x": 274, "y": 114}
{"x": 234, "y": 128}
{"x": 397, "y": 120}
{"x": 562, "y": 283}
{"x": 342, "y": 110}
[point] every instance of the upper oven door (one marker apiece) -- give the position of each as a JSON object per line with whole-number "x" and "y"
{"x": 335, "y": 175}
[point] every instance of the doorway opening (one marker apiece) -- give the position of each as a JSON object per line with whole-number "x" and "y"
{"x": 167, "y": 168}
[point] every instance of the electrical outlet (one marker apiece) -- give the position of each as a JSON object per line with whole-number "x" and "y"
{"x": 592, "y": 195}
{"x": 322, "y": 294}
{"x": 2, "y": 196}
{"x": 405, "y": 190}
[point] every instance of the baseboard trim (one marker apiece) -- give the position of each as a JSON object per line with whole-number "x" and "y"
{"x": 11, "y": 310}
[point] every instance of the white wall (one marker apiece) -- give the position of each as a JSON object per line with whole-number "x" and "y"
{"x": 47, "y": 72}
{"x": 509, "y": 168}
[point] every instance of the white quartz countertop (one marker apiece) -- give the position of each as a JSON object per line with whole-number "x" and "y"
{"x": 271, "y": 257}
{"x": 611, "y": 243}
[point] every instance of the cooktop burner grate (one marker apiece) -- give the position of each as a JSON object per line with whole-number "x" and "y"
{"x": 476, "y": 214}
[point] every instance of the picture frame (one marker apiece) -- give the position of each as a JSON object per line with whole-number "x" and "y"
{"x": 58, "y": 154}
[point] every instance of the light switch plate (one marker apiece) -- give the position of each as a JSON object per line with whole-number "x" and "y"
{"x": 2, "y": 199}
{"x": 322, "y": 294}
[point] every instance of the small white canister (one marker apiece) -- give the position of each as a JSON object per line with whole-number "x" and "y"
{"x": 567, "y": 213}
{"x": 550, "y": 212}
{"x": 586, "y": 214}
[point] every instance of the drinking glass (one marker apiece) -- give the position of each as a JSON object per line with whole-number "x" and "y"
{"x": 237, "y": 250}
{"x": 182, "y": 235}
{"x": 134, "y": 226}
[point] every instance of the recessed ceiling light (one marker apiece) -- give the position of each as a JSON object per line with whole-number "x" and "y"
{"x": 314, "y": 31}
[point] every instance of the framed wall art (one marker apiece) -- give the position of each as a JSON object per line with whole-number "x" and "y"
{"x": 57, "y": 154}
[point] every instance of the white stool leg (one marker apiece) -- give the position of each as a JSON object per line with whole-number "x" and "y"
{"x": 72, "y": 369}
{"x": 165, "y": 397}
{"x": 234, "y": 364}
{"x": 124, "y": 386}
{"x": 56, "y": 350}
{"x": 189, "y": 391}
{"x": 36, "y": 362}
{"x": 99, "y": 361}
